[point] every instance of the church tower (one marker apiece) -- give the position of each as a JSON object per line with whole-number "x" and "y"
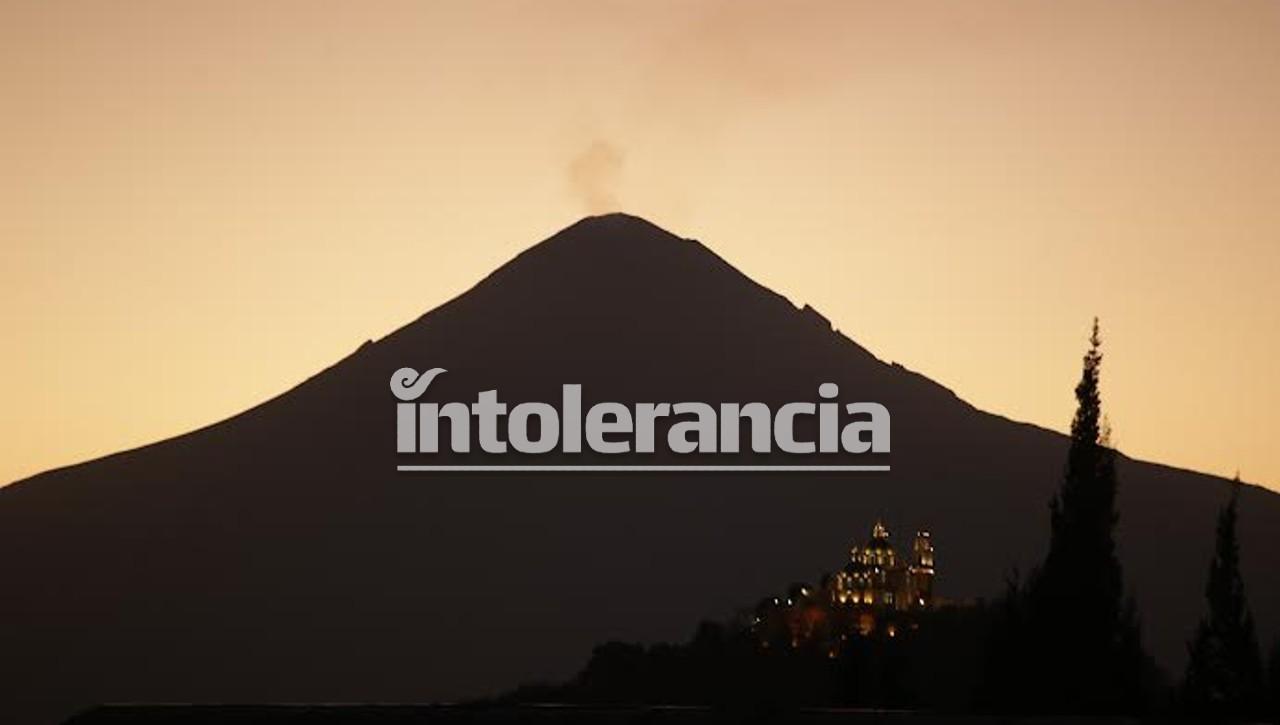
{"x": 920, "y": 572}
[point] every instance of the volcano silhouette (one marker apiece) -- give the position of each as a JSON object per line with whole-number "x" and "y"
{"x": 279, "y": 556}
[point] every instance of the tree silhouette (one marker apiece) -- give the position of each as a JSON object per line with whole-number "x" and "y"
{"x": 1224, "y": 674}
{"x": 1069, "y": 640}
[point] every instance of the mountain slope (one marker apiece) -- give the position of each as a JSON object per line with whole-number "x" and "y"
{"x": 278, "y": 555}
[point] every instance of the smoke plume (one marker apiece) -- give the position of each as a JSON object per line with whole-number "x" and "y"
{"x": 594, "y": 175}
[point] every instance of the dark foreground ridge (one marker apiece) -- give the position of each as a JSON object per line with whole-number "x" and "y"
{"x": 278, "y": 556}
{"x": 551, "y": 714}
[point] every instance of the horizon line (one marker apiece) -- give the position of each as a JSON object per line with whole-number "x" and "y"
{"x": 641, "y": 468}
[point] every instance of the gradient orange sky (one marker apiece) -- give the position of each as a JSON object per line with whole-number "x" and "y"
{"x": 201, "y": 204}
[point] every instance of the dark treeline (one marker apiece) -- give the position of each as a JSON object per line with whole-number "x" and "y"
{"x": 935, "y": 667}
{"x": 1066, "y": 641}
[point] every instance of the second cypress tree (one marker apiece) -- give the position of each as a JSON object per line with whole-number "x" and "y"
{"x": 1224, "y": 674}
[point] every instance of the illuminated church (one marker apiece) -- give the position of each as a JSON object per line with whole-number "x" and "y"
{"x": 878, "y": 593}
{"x": 877, "y": 576}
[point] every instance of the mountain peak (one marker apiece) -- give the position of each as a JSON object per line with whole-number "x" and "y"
{"x": 614, "y": 232}
{"x": 618, "y": 222}
{"x": 611, "y": 249}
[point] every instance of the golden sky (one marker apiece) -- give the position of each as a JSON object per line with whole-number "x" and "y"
{"x": 201, "y": 204}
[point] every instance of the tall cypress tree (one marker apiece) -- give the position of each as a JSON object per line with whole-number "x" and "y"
{"x": 1083, "y": 638}
{"x": 1224, "y": 674}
